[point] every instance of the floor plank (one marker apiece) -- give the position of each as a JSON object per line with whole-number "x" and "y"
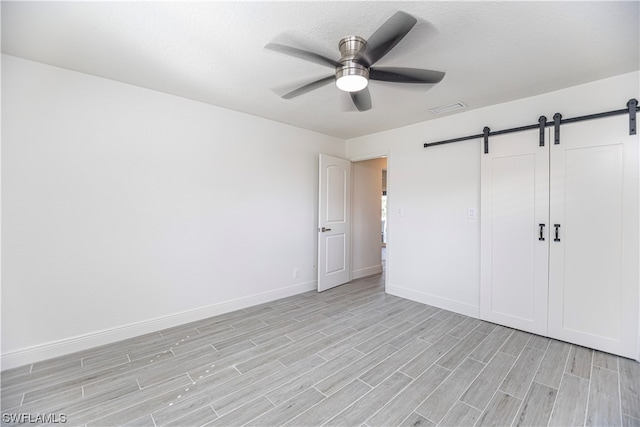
{"x": 436, "y": 406}
{"x": 326, "y": 409}
{"x": 461, "y": 415}
{"x": 243, "y": 414}
{"x": 421, "y": 363}
{"x": 289, "y": 409}
{"x": 553, "y": 364}
{"x": 459, "y": 353}
{"x": 501, "y": 410}
{"x": 382, "y": 370}
{"x": 571, "y": 403}
{"x": 517, "y": 382}
{"x": 485, "y": 385}
{"x": 604, "y": 399}
{"x": 371, "y": 402}
{"x": 404, "y": 404}
{"x": 300, "y": 384}
{"x": 416, "y": 420}
{"x": 580, "y": 361}
{"x": 630, "y": 387}
{"x": 196, "y": 418}
{"x": 515, "y": 343}
{"x": 338, "y": 380}
{"x": 536, "y": 407}
{"x": 488, "y": 348}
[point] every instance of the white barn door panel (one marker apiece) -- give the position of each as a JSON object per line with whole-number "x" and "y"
{"x": 594, "y": 289}
{"x": 514, "y": 232}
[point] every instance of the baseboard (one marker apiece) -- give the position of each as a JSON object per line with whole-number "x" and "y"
{"x": 66, "y": 346}
{"x": 364, "y": 272}
{"x": 444, "y": 303}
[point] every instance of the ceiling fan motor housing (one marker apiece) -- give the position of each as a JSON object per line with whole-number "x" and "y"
{"x": 349, "y": 48}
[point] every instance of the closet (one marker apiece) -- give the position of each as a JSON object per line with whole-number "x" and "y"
{"x": 560, "y": 231}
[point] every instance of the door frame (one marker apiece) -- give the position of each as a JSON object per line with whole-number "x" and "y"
{"x": 370, "y": 156}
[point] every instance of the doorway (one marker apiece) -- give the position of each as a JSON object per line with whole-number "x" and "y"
{"x": 369, "y": 226}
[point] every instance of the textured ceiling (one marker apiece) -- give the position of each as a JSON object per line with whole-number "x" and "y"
{"x": 214, "y": 52}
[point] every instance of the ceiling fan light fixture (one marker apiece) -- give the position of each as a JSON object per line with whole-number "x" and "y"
{"x": 352, "y": 83}
{"x": 350, "y": 75}
{"x": 352, "y": 78}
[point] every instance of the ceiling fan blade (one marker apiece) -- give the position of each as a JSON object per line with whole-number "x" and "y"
{"x": 309, "y": 87}
{"x": 303, "y": 54}
{"x": 385, "y": 38}
{"x": 361, "y": 99}
{"x": 405, "y": 75}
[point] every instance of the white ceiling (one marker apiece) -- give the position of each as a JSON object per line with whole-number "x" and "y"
{"x": 214, "y": 52}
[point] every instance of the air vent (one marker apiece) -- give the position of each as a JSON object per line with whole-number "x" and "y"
{"x": 443, "y": 109}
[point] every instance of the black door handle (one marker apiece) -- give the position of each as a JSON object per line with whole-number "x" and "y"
{"x": 557, "y": 226}
{"x": 541, "y": 238}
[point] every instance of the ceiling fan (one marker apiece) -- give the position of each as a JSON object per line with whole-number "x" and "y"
{"x": 355, "y": 68}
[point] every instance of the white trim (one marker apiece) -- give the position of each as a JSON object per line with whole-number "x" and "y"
{"x": 106, "y": 336}
{"x": 364, "y": 272}
{"x": 439, "y": 302}
{"x": 370, "y": 156}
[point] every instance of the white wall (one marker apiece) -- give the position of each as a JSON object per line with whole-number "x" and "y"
{"x": 127, "y": 210}
{"x": 366, "y": 228}
{"x": 433, "y": 250}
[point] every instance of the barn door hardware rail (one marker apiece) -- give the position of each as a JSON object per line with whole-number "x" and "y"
{"x": 631, "y": 110}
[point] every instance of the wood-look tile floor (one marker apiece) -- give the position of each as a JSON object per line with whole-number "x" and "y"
{"x": 349, "y": 356}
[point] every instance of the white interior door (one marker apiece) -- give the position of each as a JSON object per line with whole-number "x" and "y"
{"x": 514, "y": 211}
{"x": 334, "y": 243}
{"x": 593, "y": 266}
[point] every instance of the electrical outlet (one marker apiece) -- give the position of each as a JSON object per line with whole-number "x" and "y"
{"x": 296, "y": 273}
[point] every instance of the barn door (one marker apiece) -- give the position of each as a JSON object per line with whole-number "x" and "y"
{"x": 515, "y": 231}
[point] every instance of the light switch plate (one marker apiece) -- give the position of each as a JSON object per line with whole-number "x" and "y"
{"x": 472, "y": 213}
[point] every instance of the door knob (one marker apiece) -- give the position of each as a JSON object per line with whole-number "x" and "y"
{"x": 541, "y": 238}
{"x": 325, "y": 229}
{"x": 557, "y": 226}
